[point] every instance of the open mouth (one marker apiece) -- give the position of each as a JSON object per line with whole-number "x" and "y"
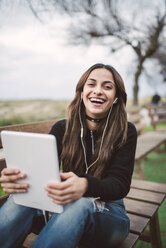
{"x": 97, "y": 101}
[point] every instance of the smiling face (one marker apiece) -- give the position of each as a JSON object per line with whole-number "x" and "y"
{"x": 99, "y": 93}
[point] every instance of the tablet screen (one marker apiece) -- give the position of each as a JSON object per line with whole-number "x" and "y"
{"x": 37, "y": 156}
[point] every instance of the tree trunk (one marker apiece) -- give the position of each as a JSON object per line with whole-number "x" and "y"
{"x": 136, "y": 84}
{"x": 135, "y": 92}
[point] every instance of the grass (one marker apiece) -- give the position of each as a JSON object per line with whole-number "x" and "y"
{"x": 17, "y": 112}
{"x": 159, "y": 126}
{"x": 155, "y": 171}
{"x": 1, "y": 191}
{"x": 145, "y": 101}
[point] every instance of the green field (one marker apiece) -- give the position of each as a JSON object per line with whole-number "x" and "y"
{"x": 155, "y": 170}
{"x": 1, "y": 191}
{"x": 16, "y": 112}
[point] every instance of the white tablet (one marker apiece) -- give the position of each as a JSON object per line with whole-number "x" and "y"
{"x": 37, "y": 156}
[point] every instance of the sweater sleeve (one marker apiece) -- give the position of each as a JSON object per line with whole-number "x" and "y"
{"x": 58, "y": 130}
{"x": 117, "y": 182}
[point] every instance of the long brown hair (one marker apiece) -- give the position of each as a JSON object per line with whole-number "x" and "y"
{"x": 115, "y": 136}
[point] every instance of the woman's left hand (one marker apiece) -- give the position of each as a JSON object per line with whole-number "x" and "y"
{"x": 70, "y": 189}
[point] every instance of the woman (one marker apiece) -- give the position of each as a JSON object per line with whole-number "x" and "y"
{"x": 96, "y": 148}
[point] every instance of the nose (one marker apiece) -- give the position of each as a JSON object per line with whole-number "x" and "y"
{"x": 98, "y": 90}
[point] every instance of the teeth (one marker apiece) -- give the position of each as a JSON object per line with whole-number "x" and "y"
{"x": 97, "y": 100}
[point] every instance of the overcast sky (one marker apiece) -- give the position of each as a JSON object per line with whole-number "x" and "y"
{"x": 36, "y": 61}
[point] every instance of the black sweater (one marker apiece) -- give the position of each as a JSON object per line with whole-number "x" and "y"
{"x": 116, "y": 184}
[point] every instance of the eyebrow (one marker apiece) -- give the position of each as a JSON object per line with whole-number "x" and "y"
{"x": 107, "y": 81}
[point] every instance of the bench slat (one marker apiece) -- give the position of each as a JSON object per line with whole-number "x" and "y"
{"x": 3, "y": 199}
{"x": 2, "y": 155}
{"x": 134, "y": 116}
{"x": 35, "y": 127}
{"x": 140, "y": 208}
{"x": 2, "y": 165}
{"x": 146, "y": 196}
{"x": 157, "y": 115}
{"x": 150, "y": 186}
{"x": 147, "y": 142}
{"x": 130, "y": 241}
{"x": 29, "y": 240}
{"x": 138, "y": 223}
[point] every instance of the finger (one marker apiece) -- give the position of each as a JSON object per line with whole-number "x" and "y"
{"x": 65, "y": 200}
{"x": 10, "y": 188}
{"x": 10, "y": 171}
{"x": 10, "y": 178}
{"x": 14, "y": 186}
{"x": 60, "y": 193}
{"x": 59, "y": 185}
{"x": 61, "y": 200}
{"x": 66, "y": 175}
{"x": 12, "y": 191}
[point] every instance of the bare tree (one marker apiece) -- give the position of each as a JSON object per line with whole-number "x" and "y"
{"x": 140, "y": 28}
{"x": 160, "y": 55}
{"x": 115, "y": 23}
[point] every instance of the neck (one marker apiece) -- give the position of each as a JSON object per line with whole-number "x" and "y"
{"x": 91, "y": 125}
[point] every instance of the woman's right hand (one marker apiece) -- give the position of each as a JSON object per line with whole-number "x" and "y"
{"x": 9, "y": 181}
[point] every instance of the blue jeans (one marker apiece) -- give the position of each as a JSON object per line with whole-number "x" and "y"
{"x": 82, "y": 222}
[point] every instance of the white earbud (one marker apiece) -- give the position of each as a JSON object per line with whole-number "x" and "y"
{"x": 81, "y": 95}
{"x": 82, "y": 132}
{"x": 115, "y": 100}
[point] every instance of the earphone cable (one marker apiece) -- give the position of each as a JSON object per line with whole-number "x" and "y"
{"x": 82, "y": 133}
{"x": 102, "y": 139}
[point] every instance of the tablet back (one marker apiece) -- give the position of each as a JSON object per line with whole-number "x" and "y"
{"x": 36, "y": 155}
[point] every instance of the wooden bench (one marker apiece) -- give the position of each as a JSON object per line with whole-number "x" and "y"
{"x": 134, "y": 116}
{"x": 142, "y": 202}
{"x": 157, "y": 115}
{"x": 142, "y": 205}
{"x": 147, "y": 143}
{"x": 150, "y": 141}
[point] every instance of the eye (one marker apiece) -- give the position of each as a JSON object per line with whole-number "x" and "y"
{"x": 108, "y": 86}
{"x": 90, "y": 84}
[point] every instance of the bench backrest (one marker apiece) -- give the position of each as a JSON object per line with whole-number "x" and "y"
{"x": 157, "y": 114}
{"x": 36, "y": 127}
{"x": 134, "y": 116}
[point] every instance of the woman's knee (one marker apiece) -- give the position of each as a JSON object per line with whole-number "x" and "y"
{"x": 11, "y": 211}
{"x": 15, "y": 223}
{"x": 111, "y": 226}
{"x": 75, "y": 212}
{"x": 105, "y": 236}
